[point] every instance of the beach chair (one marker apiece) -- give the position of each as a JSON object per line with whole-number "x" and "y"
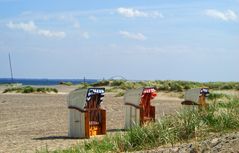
{"x": 138, "y": 108}
{"x": 86, "y": 117}
{"x": 196, "y": 97}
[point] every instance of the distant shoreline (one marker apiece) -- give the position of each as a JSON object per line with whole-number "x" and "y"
{"x": 26, "y": 81}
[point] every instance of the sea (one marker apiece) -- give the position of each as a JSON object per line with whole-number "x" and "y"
{"x": 45, "y": 81}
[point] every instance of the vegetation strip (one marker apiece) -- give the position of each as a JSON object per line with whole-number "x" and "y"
{"x": 120, "y": 86}
{"x": 167, "y": 85}
{"x": 29, "y": 89}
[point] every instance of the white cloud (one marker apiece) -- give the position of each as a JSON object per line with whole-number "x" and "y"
{"x": 93, "y": 18}
{"x": 48, "y": 33}
{"x": 130, "y": 12}
{"x": 86, "y": 35}
{"x": 76, "y": 25}
{"x": 29, "y": 27}
{"x": 32, "y": 28}
{"x": 228, "y": 15}
{"x": 68, "y": 18}
{"x": 136, "y": 36}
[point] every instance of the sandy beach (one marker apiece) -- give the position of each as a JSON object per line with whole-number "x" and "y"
{"x": 30, "y": 122}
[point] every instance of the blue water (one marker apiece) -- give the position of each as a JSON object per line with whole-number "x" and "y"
{"x": 45, "y": 81}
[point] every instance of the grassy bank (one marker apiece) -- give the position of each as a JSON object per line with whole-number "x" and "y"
{"x": 184, "y": 126}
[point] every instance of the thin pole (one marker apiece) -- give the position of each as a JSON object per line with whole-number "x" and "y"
{"x": 10, "y": 63}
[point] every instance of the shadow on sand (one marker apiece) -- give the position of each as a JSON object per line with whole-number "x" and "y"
{"x": 54, "y": 138}
{"x": 116, "y": 130}
{"x": 66, "y": 137}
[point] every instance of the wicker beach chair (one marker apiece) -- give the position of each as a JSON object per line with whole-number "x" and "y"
{"x": 196, "y": 97}
{"x": 86, "y": 117}
{"x": 138, "y": 108}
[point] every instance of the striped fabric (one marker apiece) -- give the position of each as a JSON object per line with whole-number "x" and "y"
{"x": 149, "y": 90}
{"x": 93, "y": 91}
{"x": 204, "y": 91}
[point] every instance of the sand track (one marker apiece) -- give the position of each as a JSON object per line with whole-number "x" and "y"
{"x": 34, "y": 121}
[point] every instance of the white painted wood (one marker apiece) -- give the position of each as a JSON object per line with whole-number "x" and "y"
{"x": 132, "y": 117}
{"x": 76, "y": 119}
{"x": 127, "y": 116}
{"x": 137, "y": 116}
{"x": 76, "y": 124}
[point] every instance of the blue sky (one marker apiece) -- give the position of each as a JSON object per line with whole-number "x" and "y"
{"x": 156, "y": 39}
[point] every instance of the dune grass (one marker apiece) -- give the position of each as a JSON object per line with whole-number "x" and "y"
{"x": 29, "y": 89}
{"x": 167, "y": 85}
{"x": 120, "y": 86}
{"x": 185, "y": 125}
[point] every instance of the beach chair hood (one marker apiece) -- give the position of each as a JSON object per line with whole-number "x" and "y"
{"x": 79, "y": 97}
{"x": 152, "y": 91}
{"x": 133, "y": 96}
{"x": 94, "y": 91}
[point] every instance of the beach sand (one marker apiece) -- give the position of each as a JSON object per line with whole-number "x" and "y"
{"x": 30, "y": 122}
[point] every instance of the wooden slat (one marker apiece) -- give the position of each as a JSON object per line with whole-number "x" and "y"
{"x": 103, "y": 121}
{"x": 87, "y": 125}
{"x": 152, "y": 112}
